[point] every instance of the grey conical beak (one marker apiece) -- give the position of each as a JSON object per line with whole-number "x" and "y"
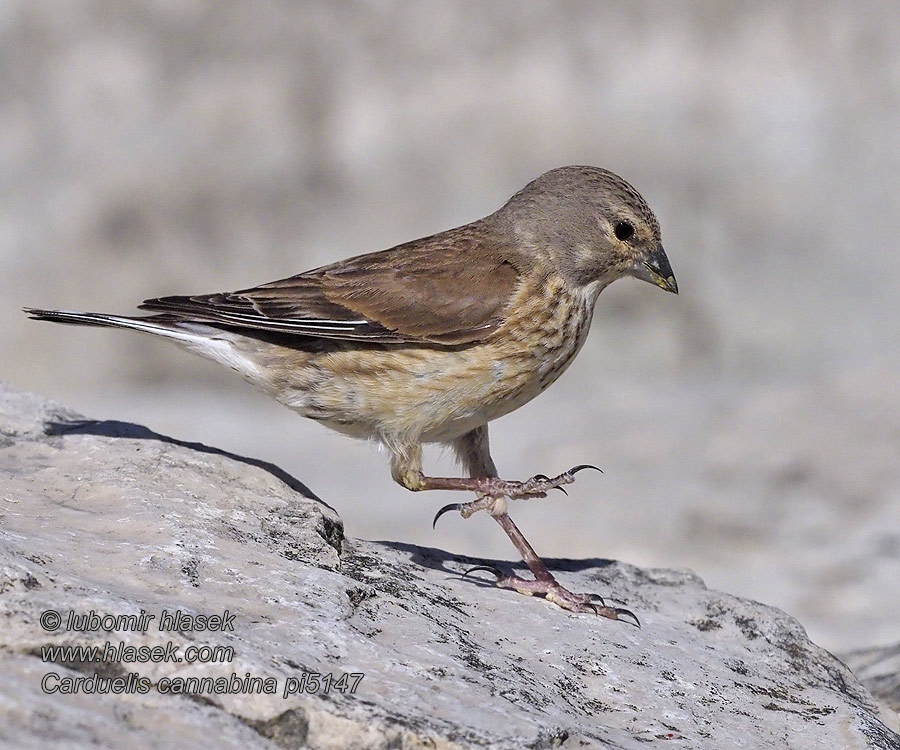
{"x": 655, "y": 268}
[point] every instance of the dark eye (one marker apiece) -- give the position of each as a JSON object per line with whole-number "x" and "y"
{"x": 623, "y": 230}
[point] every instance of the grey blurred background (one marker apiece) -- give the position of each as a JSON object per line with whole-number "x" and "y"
{"x": 749, "y": 428}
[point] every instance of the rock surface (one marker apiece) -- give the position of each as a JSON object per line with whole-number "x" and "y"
{"x": 112, "y": 519}
{"x": 879, "y": 670}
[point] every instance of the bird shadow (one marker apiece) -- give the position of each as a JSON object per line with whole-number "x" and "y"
{"x": 456, "y": 565}
{"x": 116, "y": 429}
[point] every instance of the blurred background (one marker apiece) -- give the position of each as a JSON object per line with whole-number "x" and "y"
{"x": 748, "y": 429}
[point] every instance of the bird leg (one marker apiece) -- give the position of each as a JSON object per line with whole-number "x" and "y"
{"x": 546, "y": 585}
{"x": 492, "y": 494}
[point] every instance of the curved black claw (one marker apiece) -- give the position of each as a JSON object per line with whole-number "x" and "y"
{"x": 623, "y": 614}
{"x": 445, "y": 509}
{"x": 562, "y": 489}
{"x": 580, "y": 467}
{"x": 597, "y": 598}
{"x": 487, "y": 569}
{"x": 615, "y": 613}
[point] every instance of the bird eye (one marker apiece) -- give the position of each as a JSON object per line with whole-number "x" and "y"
{"x": 623, "y": 230}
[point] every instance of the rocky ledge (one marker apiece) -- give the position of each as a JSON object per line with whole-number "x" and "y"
{"x": 216, "y": 600}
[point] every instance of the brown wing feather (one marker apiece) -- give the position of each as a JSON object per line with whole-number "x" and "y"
{"x": 451, "y": 288}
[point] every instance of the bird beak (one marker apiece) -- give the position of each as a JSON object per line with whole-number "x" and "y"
{"x": 656, "y": 269}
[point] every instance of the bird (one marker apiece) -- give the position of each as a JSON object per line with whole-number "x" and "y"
{"x": 430, "y": 340}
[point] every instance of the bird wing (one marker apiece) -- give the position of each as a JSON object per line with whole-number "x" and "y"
{"x": 440, "y": 289}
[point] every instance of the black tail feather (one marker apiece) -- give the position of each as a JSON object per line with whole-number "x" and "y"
{"x": 74, "y": 318}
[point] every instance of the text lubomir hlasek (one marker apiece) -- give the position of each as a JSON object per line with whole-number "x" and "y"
{"x": 174, "y": 621}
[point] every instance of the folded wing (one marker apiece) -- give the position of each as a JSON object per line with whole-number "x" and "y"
{"x": 433, "y": 290}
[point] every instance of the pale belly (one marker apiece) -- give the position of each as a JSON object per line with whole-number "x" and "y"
{"x": 435, "y": 395}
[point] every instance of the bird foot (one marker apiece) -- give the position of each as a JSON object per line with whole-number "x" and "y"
{"x": 491, "y": 489}
{"x": 540, "y": 484}
{"x": 552, "y": 591}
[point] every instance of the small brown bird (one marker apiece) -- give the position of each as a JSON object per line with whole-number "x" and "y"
{"x": 430, "y": 340}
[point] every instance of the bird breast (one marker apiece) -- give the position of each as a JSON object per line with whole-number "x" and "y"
{"x": 436, "y": 394}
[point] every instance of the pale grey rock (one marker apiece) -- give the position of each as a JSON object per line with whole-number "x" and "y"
{"x": 114, "y": 519}
{"x": 879, "y": 670}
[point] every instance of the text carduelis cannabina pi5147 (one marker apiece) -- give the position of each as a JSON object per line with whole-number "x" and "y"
{"x": 428, "y": 341}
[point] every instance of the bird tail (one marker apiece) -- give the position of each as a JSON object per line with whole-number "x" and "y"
{"x": 198, "y": 337}
{"x": 161, "y": 325}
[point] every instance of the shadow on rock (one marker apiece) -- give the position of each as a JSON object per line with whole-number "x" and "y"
{"x": 438, "y": 559}
{"x": 115, "y": 429}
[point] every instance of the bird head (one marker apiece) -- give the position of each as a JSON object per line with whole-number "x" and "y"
{"x": 594, "y": 225}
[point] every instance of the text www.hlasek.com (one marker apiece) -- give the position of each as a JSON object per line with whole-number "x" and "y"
{"x": 121, "y": 652}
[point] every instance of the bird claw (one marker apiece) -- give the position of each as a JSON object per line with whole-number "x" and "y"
{"x": 487, "y": 568}
{"x": 596, "y": 598}
{"x": 575, "y": 469}
{"x": 446, "y": 509}
{"x": 614, "y": 613}
{"x": 539, "y": 478}
{"x": 622, "y": 614}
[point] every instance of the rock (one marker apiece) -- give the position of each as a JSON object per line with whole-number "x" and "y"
{"x": 309, "y": 639}
{"x": 879, "y": 670}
